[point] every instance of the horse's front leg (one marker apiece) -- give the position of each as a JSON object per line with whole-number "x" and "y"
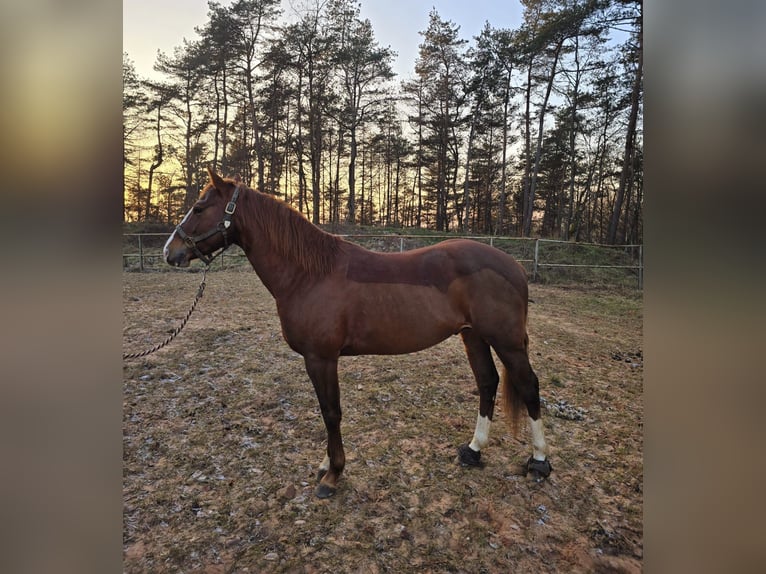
{"x": 324, "y": 376}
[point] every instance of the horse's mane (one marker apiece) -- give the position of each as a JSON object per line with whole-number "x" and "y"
{"x": 289, "y": 233}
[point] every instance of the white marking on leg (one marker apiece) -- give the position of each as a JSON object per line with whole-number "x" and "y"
{"x": 481, "y": 434}
{"x": 325, "y": 463}
{"x": 539, "y": 448}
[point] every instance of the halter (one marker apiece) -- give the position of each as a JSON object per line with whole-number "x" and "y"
{"x": 222, "y": 228}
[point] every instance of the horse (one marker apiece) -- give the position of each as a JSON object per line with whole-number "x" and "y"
{"x": 335, "y": 298}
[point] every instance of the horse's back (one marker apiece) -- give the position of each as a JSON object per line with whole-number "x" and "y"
{"x": 486, "y": 272}
{"x": 473, "y": 256}
{"x": 477, "y": 280}
{"x": 437, "y": 265}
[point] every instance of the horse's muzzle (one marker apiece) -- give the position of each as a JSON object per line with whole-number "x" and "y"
{"x": 180, "y": 261}
{"x": 176, "y": 254}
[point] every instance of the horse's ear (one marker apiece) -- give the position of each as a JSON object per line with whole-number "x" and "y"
{"x": 215, "y": 179}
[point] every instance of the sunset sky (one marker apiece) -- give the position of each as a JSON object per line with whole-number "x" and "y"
{"x": 152, "y": 25}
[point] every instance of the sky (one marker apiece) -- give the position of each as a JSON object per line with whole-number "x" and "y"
{"x": 152, "y": 25}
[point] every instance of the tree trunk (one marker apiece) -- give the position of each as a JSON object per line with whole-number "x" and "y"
{"x": 527, "y": 148}
{"x": 572, "y": 151}
{"x": 419, "y": 213}
{"x": 224, "y": 137}
{"x": 257, "y": 137}
{"x": 630, "y": 140}
{"x": 503, "y": 168}
{"x": 336, "y": 190}
{"x": 530, "y": 200}
{"x": 351, "y": 216}
{"x": 299, "y": 148}
{"x": 216, "y": 134}
{"x": 397, "y": 221}
{"x": 191, "y": 191}
{"x": 465, "y": 223}
{"x": 362, "y": 219}
{"x": 315, "y": 155}
{"x": 155, "y": 164}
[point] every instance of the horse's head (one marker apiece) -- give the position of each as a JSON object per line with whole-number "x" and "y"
{"x": 207, "y": 227}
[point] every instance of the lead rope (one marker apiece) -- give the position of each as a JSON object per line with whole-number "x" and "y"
{"x": 177, "y": 330}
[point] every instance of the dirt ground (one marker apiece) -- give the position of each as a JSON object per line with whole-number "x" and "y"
{"x": 222, "y": 437}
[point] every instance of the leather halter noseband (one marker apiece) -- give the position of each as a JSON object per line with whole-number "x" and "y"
{"x": 222, "y": 228}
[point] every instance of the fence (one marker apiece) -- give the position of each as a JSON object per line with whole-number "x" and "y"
{"x": 545, "y": 260}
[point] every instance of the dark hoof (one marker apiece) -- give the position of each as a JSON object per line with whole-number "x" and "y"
{"x": 539, "y": 469}
{"x": 325, "y": 491}
{"x": 320, "y": 474}
{"x": 469, "y": 457}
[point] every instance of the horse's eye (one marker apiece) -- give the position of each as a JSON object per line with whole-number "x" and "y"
{"x": 197, "y": 209}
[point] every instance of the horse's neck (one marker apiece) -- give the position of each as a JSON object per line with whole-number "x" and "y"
{"x": 278, "y": 267}
{"x": 278, "y": 278}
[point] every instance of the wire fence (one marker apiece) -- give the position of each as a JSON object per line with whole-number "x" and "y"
{"x": 545, "y": 260}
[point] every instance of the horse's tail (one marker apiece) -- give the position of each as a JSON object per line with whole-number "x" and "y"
{"x": 513, "y": 405}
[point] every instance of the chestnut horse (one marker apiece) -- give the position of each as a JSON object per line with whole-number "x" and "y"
{"x": 335, "y": 298}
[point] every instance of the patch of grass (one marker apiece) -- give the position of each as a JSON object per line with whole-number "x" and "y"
{"x": 221, "y": 423}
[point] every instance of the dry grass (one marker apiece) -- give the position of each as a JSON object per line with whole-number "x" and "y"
{"x": 222, "y": 437}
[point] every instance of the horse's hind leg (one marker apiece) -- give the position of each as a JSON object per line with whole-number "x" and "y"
{"x": 521, "y": 388}
{"x": 483, "y": 367}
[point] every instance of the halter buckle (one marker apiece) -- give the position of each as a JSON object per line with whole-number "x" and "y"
{"x": 230, "y": 207}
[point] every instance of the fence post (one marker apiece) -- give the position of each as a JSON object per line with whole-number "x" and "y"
{"x": 534, "y": 266}
{"x": 401, "y": 244}
{"x": 140, "y": 253}
{"x": 640, "y": 266}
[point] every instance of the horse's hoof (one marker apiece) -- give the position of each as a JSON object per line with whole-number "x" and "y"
{"x": 325, "y": 491}
{"x": 539, "y": 469}
{"x": 469, "y": 457}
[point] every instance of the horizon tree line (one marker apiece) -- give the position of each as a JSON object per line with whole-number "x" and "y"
{"x": 534, "y": 131}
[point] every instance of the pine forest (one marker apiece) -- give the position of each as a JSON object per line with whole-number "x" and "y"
{"x": 528, "y": 132}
